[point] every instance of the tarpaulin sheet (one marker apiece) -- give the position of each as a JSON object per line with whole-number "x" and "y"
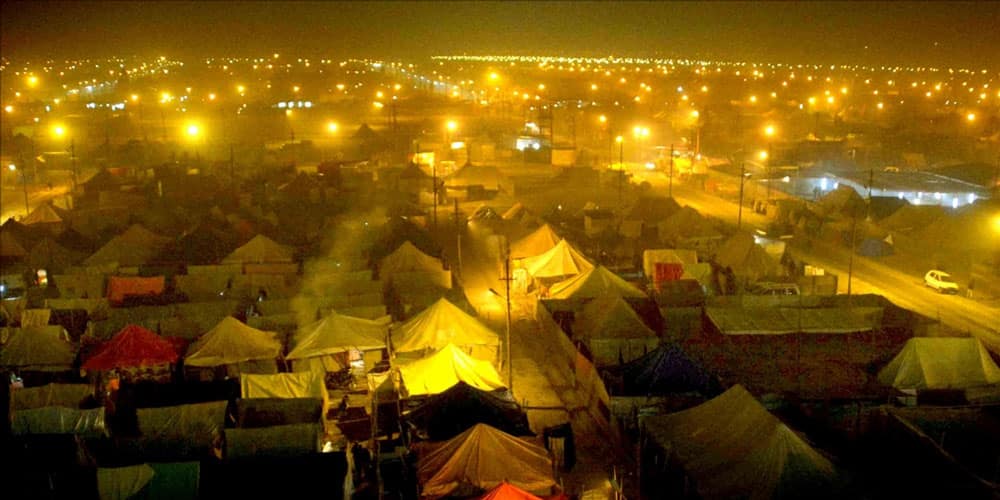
{"x": 59, "y": 420}
{"x": 407, "y": 258}
{"x": 479, "y": 459}
{"x": 276, "y": 441}
{"x": 97, "y": 308}
{"x": 445, "y": 368}
{"x": 507, "y": 491}
{"x": 446, "y": 415}
{"x": 199, "y": 425}
{"x": 120, "y": 287}
{"x": 284, "y": 385}
{"x": 42, "y": 348}
{"x": 561, "y": 260}
{"x": 538, "y": 242}
{"x": 592, "y": 284}
{"x": 65, "y": 395}
{"x": 175, "y": 481}
{"x": 266, "y": 412}
{"x": 337, "y": 333}
{"x": 133, "y": 346}
{"x": 35, "y": 317}
{"x": 77, "y": 286}
{"x": 122, "y": 483}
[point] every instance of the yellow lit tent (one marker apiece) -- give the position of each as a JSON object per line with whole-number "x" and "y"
{"x": 441, "y": 324}
{"x": 941, "y": 363}
{"x": 538, "y": 242}
{"x": 232, "y": 343}
{"x": 561, "y": 260}
{"x": 408, "y": 258}
{"x": 592, "y": 284}
{"x": 260, "y": 250}
{"x": 322, "y": 346}
{"x": 445, "y": 368}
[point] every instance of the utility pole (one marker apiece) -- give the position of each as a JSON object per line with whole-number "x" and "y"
{"x": 434, "y": 189}
{"x": 850, "y": 262}
{"x": 72, "y": 160}
{"x": 871, "y": 180}
{"x": 506, "y": 281}
{"x": 743, "y": 177}
{"x": 621, "y": 164}
{"x": 670, "y": 186}
{"x": 232, "y": 167}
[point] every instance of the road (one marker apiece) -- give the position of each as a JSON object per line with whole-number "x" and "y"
{"x": 959, "y": 314}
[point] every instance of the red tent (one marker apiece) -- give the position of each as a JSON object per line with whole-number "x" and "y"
{"x": 132, "y": 346}
{"x": 507, "y": 491}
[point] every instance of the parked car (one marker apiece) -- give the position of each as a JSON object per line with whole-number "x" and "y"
{"x": 770, "y": 288}
{"x": 940, "y": 281}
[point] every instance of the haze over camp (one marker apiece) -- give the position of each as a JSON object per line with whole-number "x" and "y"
{"x": 500, "y": 250}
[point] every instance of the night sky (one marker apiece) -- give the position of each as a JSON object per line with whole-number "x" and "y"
{"x": 944, "y": 34}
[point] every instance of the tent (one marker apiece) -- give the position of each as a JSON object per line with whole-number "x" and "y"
{"x": 480, "y": 458}
{"x": 686, "y": 223}
{"x": 231, "y": 342}
{"x": 652, "y": 209}
{"x": 442, "y": 324}
{"x": 205, "y": 244}
{"x": 182, "y": 430}
{"x": 115, "y": 483}
{"x": 592, "y": 284}
{"x": 267, "y": 412}
{"x": 478, "y": 175}
{"x": 51, "y": 256}
{"x": 445, "y": 368}
{"x": 448, "y": 414}
{"x": 44, "y": 215}
{"x": 747, "y": 259}
{"x": 260, "y": 250}
{"x": 732, "y": 447}
{"x": 133, "y": 346}
{"x": 11, "y": 245}
{"x": 59, "y": 420}
{"x": 940, "y": 363}
{"x": 121, "y": 287}
{"x": 507, "y": 491}
{"x": 319, "y": 345}
{"x": 277, "y": 441}
{"x": 38, "y": 348}
{"x": 613, "y": 331}
{"x": 135, "y": 247}
{"x": 561, "y": 260}
{"x": 408, "y": 258}
{"x": 665, "y": 370}
{"x": 65, "y": 395}
{"x": 538, "y": 242}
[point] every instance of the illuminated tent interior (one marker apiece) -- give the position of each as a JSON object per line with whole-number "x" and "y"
{"x": 445, "y": 368}
{"x": 443, "y": 324}
{"x": 538, "y": 242}
{"x": 561, "y": 260}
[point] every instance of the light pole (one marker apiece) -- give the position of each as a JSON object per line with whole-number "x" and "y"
{"x": 506, "y": 279}
{"x": 743, "y": 178}
{"x": 769, "y": 132}
{"x": 24, "y": 183}
{"x": 670, "y": 185}
{"x": 621, "y": 158}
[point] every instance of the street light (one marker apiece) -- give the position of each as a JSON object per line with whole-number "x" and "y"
{"x": 769, "y": 133}
{"x": 59, "y": 131}
{"x": 332, "y": 128}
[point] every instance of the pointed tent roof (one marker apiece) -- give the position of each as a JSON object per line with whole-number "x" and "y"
{"x": 445, "y": 368}
{"x": 734, "y": 448}
{"x": 687, "y": 223}
{"x": 302, "y": 184}
{"x": 45, "y": 348}
{"x": 231, "y": 342}
{"x": 507, "y": 491}
{"x": 652, "y": 208}
{"x": 538, "y": 242}
{"x": 132, "y": 346}
{"x": 450, "y": 413}
{"x": 49, "y": 255}
{"x": 71, "y": 239}
{"x": 338, "y": 333}
{"x": 609, "y": 317}
{"x": 205, "y": 244}
{"x": 43, "y": 214}
{"x": 478, "y": 459}
{"x": 940, "y": 363}
{"x": 665, "y": 370}
{"x": 136, "y": 246}
{"x": 408, "y": 258}
{"x": 440, "y": 325}
{"x": 746, "y": 258}
{"x": 260, "y": 249}
{"x": 592, "y": 284}
{"x": 397, "y": 230}
{"x": 561, "y": 260}
{"x": 10, "y": 245}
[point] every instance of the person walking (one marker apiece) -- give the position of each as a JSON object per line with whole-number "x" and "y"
{"x": 969, "y": 290}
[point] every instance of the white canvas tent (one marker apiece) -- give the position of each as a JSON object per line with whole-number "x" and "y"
{"x": 445, "y": 368}
{"x": 324, "y": 345}
{"x": 233, "y": 343}
{"x": 260, "y": 250}
{"x": 561, "y": 260}
{"x": 538, "y": 242}
{"x": 444, "y": 324}
{"x": 940, "y": 363}
{"x": 613, "y": 332}
{"x": 408, "y": 258}
{"x": 594, "y": 283}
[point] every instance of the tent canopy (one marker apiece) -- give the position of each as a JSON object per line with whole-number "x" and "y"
{"x": 788, "y": 320}
{"x": 260, "y": 250}
{"x": 480, "y": 458}
{"x": 538, "y": 242}
{"x": 610, "y": 316}
{"x": 43, "y": 214}
{"x": 940, "y": 363}
{"x": 231, "y": 342}
{"x": 561, "y": 260}
{"x": 665, "y": 370}
{"x": 337, "y": 333}
{"x": 43, "y": 348}
{"x": 594, "y": 283}
{"x": 135, "y": 247}
{"x": 284, "y": 386}
{"x": 746, "y": 258}
{"x": 439, "y": 325}
{"x": 132, "y": 346}
{"x": 507, "y": 491}
{"x": 451, "y": 412}
{"x": 445, "y": 368}
{"x": 408, "y": 258}
{"x": 734, "y": 448}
